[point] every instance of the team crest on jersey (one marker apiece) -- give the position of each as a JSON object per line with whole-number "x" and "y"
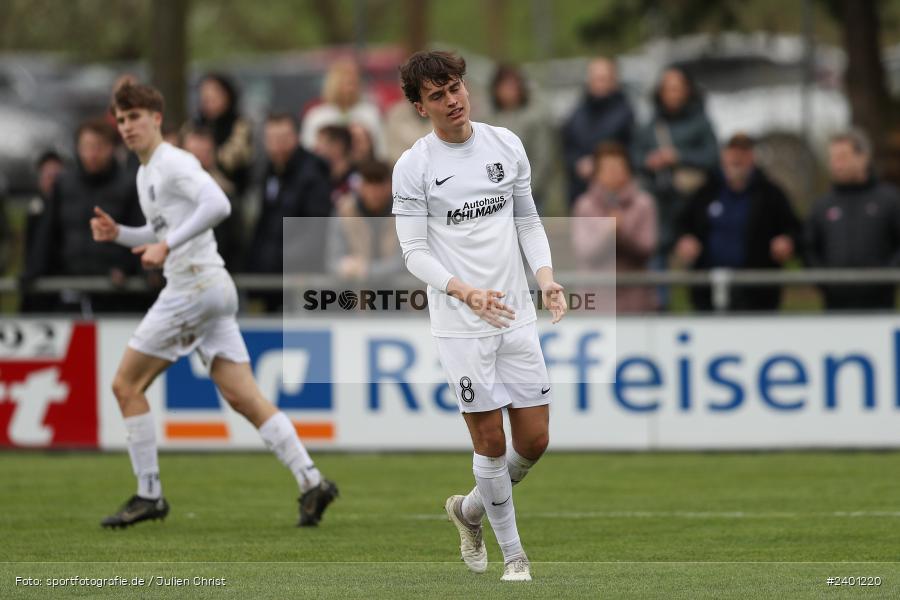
{"x": 495, "y": 172}
{"x": 152, "y": 194}
{"x": 159, "y": 223}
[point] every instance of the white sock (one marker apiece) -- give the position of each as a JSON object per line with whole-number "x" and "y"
{"x": 142, "y": 450}
{"x": 473, "y": 507}
{"x": 281, "y": 438}
{"x": 518, "y": 466}
{"x": 492, "y": 481}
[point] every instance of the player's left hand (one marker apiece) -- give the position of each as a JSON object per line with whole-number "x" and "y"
{"x": 555, "y": 300}
{"x": 103, "y": 227}
{"x": 152, "y": 255}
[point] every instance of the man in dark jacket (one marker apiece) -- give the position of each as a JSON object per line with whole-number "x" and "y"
{"x": 296, "y": 184}
{"x": 63, "y": 244}
{"x": 5, "y": 237}
{"x": 603, "y": 115}
{"x": 334, "y": 144}
{"x": 49, "y": 166}
{"x": 855, "y": 225}
{"x": 738, "y": 220}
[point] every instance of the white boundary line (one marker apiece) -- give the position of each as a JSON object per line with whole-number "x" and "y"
{"x": 454, "y": 562}
{"x": 677, "y": 514}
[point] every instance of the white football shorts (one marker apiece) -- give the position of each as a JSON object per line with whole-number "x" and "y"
{"x": 193, "y": 314}
{"x": 492, "y": 372}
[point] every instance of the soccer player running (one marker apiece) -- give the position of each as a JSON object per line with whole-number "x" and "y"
{"x": 463, "y": 206}
{"x": 195, "y": 311}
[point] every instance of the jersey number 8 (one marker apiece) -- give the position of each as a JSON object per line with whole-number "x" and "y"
{"x": 466, "y": 391}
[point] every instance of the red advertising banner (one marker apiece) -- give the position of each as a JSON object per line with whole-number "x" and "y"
{"x": 48, "y": 384}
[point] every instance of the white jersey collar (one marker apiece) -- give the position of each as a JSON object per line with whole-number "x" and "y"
{"x": 462, "y": 146}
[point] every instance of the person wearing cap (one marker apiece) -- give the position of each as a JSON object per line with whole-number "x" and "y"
{"x": 740, "y": 219}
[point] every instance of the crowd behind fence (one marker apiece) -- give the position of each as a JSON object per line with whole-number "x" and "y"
{"x": 721, "y": 282}
{"x": 691, "y": 211}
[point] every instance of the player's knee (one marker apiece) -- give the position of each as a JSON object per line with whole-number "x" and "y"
{"x": 537, "y": 446}
{"x": 491, "y": 441}
{"x": 125, "y": 391}
{"x": 243, "y": 403}
{"x": 234, "y": 399}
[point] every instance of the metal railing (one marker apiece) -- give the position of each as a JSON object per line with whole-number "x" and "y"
{"x": 721, "y": 281}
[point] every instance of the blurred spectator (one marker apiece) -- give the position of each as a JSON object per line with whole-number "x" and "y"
{"x": 296, "y": 184}
{"x": 738, "y": 220}
{"x": 631, "y": 237}
{"x": 5, "y": 237}
{"x": 218, "y": 112}
{"x": 855, "y": 225}
{"x": 363, "y": 241}
{"x": 362, "y": 148}
{"x": 342, "y": 104}
{"x": 200, "y": 142}
{"x": 334, "y": 144}
{"x": 403, "y": 128}
{"x": 603, "y": 114}
{"x": 172, "y": 135}
{"x": 675, "y": 152}
{"x": 513, "y": 107}
{"x": 63, "y": 243}
{"x": 49, "y": 166}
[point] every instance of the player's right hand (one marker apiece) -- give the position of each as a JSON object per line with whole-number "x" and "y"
{"x": 487, "y": 305}
{"x": 103, "y": 227}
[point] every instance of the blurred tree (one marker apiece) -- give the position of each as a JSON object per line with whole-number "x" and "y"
{"x": 497, "y": 21}
{"x": 858, "y": 20}
{"x": 335, "y": 27}
{"x": 650, "y": 18}
{"x": 168, "y": 56}
{"x": 86, "y": 29}
{"x": 865, "y": 80}
{"x": 417, "y": 25}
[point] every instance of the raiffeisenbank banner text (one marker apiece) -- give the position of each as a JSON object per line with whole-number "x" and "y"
{"x": 653, "y": 383}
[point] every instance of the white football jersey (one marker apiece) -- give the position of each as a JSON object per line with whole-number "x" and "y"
{"x": 468, "y": 193}
{"x": 168, "y": 186}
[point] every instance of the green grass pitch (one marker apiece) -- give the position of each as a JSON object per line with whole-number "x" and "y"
{"x": 670, "y": 525}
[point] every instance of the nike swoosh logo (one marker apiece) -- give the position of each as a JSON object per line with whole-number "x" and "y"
{"x": 130, "y": 514}
{"x": 442, "y": 181}
{"x": 502, "y": 503}
{"x": 544, "y": 391}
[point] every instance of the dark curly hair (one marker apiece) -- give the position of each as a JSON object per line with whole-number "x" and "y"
{"x": 437, "y": 67}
